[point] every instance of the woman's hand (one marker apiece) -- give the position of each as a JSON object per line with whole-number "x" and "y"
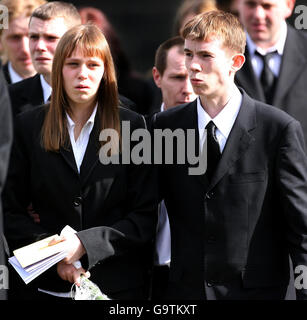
{"x": 75, "y": 250}
{"x": 74, "y": 247}
{"x": 69, "y": 273}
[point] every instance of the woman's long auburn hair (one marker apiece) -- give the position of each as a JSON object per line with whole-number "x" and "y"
{"x": 89, "y": 40}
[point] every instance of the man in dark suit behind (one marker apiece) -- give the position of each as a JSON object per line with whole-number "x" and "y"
{"x": 14, "y": 40}
{"x": 233, "y": 227}
{"x": 47, "y": 25}
{"x": 273, "y": 44}
{"x": 171, "y": 76}
{"x": 6, "y": 136}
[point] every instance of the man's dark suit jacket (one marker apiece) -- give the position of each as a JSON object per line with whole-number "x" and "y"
{"x": 111, "y": 206}
{"x": 28, "y": 94}
{"x": 290, "y": 93}
{"x": 6, "y": 137}
{"x": 6, "y": 73}
{"x": 231, "y": 238}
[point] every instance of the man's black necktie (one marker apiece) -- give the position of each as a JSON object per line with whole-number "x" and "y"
{"x": 267, "y": 77}
{"x": 213, "y": 149}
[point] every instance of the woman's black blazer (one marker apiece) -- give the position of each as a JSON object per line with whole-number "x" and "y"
{"x": 111, "y": 206}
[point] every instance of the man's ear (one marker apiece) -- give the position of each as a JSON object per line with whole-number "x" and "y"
{"x": 156, "y": 76}
{"x": 237, "y": 62}
{"x": 289, "y": 6}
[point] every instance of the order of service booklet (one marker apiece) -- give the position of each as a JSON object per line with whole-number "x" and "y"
{"x": 32, "y": 260}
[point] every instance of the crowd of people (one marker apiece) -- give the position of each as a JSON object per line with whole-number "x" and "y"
{"x": 233, "y": 75}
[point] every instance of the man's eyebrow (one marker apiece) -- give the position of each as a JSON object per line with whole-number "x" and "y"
{"x": 198, "y": 52}
{"x": 44, "y": 34}
{"x": 203, "y": 52}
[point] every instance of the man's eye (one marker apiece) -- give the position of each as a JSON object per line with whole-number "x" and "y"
{"x": 51, "y": 39}
{"x": 15, "y": 37}
{"x": 251, "y": 4}
{"x": 267, "y": 6}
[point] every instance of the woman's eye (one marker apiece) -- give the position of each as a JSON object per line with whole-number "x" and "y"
{"x": 94, "y": 65}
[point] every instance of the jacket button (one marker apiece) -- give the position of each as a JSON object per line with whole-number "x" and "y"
{"x": 77, "y": 201}
{"x": 209, "y": 195}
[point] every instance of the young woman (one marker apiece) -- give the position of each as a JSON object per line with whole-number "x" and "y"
{"x": 55, "y": 167}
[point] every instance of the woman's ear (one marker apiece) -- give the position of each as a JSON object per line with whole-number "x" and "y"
{"x": 237, "y": 62}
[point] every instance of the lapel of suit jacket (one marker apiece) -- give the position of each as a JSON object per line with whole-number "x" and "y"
{"x": 6, "y": 73}
{"x": 239, "y": 139}
{"x": 247, "y": 79}
{"x": 69, "y": 157}
{"x": 293, "y": 60}
{"x": 91, "y": 157}
{"x": 90, "y": 160}
{"x": 190, "y": 120}
{"x": 34, "y": 92}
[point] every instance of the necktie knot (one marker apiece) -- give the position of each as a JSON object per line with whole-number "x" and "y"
{"x": 266, "y": 57}
{"x": 211, "y": 129}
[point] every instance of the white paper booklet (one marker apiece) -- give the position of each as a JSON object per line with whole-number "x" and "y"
{"x": 32, "y": 260}
{"x": 29, "y": 273}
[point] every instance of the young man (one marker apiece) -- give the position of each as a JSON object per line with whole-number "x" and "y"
{"x": 14, "y": 41}
{"x": 233, "y": 228}
{"x": 47, "y": 25}
{"x": 275, "y": 71}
